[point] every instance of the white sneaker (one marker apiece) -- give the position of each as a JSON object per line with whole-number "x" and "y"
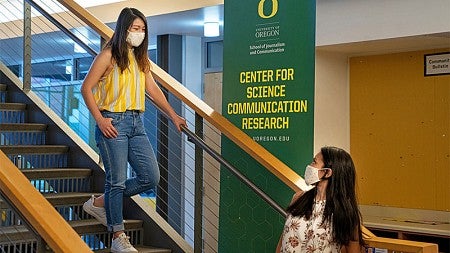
{"x": 98, "y": 212}
{"x": 122, "y": 244}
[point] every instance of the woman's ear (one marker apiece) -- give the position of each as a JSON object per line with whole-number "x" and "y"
{"x": 328, "y": 173}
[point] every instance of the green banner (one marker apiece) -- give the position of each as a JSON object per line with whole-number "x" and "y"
{"x": 268, "y": 92}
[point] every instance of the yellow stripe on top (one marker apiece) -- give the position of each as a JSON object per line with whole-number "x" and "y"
{"x": 118, "y": 92}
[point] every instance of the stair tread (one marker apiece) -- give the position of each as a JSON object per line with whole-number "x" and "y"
{"x": 70, "y": 195}
{"x": 20, "y": 232}
{"x": 15, "y": 233}
{"x": 34, "y": 149}
{"x": 13, "y": 106}
{"x": 129, "y": 224}
{"x": 88, "y": 222}
{"x": 144, "y": 249}
{"x": 90, "y": 226}
{"x": 61, "y": 199}
{"x": 68, "y": 198}
{"x": 56, "y": 173}
{"x": 17, "y": 127}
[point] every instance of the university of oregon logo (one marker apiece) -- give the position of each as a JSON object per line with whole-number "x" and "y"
{"x": 261, "y": 9}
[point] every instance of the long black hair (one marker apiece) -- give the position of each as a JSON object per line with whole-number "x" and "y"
{"x": 119, "y": 45}
{"x": 341, "y": 205}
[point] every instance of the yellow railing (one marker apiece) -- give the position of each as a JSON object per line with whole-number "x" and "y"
{"x": 258, "y": 152}
{"x": 397, "y": 245}
{"x": 39, "y": 213}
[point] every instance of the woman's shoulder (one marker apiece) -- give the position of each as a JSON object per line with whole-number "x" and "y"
{"x": 106, "y": 52}
{"x": 105, "y": 56}
{"x": 296, "y": 196}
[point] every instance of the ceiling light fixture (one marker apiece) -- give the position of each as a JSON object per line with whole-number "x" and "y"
{"x": 211, "y": 29}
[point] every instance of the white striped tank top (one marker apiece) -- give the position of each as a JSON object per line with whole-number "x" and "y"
{"x": 118, "y": 92}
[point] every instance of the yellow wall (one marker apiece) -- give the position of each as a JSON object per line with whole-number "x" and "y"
{"x": 399, "y": 128}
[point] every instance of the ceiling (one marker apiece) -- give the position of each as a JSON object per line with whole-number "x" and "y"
{"x": 189, "y": 17}
{"x": 393, "y": 45}
{"x": 185, "y": 17}
{"x": 190, "y": 23}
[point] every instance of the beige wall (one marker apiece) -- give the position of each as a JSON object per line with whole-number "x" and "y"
{"x": 213, "y": 97}
{"x": 331, "y": 112}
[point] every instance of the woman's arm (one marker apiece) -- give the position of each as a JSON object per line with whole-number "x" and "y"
{"x": 277, "y": 250}
{"x": 353, "y": 247}
{"x": 294, "y": 198}
{"x": 158, "y": 97}
{"x": 97, "y": 70}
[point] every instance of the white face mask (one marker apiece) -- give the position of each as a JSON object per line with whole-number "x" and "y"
{"x": 312, "y": 175}
{"x": 135, "y": 38}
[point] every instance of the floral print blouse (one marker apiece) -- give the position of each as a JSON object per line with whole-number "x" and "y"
{"x": 307, "y": 236}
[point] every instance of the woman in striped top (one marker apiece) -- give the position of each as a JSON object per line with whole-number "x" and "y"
{"x": 114, "y": 91}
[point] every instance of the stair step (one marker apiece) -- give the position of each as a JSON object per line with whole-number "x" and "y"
{"x": 61, "y": 199}
{"x": 37, "y": 156}
{"x": 91, "y": 226}
{"x": 56, "y": 173}
{"x": 60, "y": 180}
{"x": 3, "y": 87}
{"x": 21, "y": 233}
{"x": 12, "y": 107}
{"x": 153, "y": 250}
{"x": 68, "y": 198}
{"x": 22, "y": 127}
{"x": 15, "y": 234}
{"x": 23, "y": 134}
{"x": 34, "y": 149}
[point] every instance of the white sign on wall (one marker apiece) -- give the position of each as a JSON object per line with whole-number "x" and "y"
{"x": 437, "y": 64}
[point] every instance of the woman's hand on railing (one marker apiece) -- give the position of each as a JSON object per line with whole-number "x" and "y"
{"x": 179, "y": 122}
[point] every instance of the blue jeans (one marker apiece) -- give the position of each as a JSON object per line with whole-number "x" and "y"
{"x": 130, "y": 146}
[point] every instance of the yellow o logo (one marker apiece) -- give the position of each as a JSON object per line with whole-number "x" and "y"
{"x": 261, "y": 9}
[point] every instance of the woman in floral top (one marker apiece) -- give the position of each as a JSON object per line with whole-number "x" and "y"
{"x": 326, "y": 218}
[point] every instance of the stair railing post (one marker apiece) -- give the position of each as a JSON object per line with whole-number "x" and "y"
{"x": 198, "y": 206}
{"x": 26, "y": 69}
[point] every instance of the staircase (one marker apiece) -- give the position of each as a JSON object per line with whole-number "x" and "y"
{"x": 48, "y": 167}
